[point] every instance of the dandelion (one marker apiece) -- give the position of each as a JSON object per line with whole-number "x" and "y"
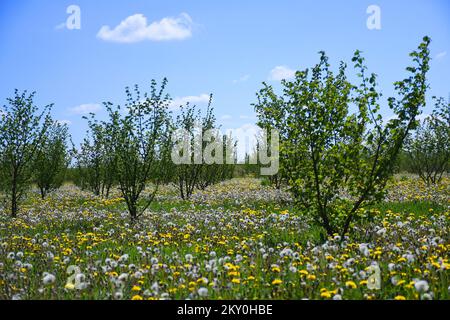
{"x": 311, "y": 277}
{"x": 276, "y": 282}
{"x": 421, "y": 286}
{"x": 155, "y": 287}
{"x": 118, "y": 295}
{"x": 137, "y": 297}
{"x": 275, "y": 268}
{"x": 48, "y": 278}
{"x": 427, "y": 296}
{"x": 202, "y": 292}
{"x": 69, "y": 286}
{"x": 410, "y": 258}
{"x": 202, "y": 280}
{"x": 147, "y": 293}
{"x": 350, "y": 284}
{"x": 395, "y": 280}
{"x": 50, "y": 256}
{"x": 123, "y": 277}
{"x": 154, "y": 260}
{"x": 136, "y": 288}
{"x": 400, "y": 298}
{"x": 304, "y": 272}
{"x": 364, "y": 249}
{"x": 165, "y": 296}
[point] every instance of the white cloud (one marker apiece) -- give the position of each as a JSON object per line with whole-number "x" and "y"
{"x": 242, "y": 79}
{"x": 86, "y": 108}
{"x": 135, "y": 29}
{"x": 441, "y": 55}
{"x": 246, "y": 117}
{"x": 281, "y": 72}
{"x": 180, "y": 101}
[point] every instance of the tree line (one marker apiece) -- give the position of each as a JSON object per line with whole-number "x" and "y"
{"x": 130, "y": 150}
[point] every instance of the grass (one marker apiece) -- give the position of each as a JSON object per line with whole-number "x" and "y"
{"x": 236, "y": 242}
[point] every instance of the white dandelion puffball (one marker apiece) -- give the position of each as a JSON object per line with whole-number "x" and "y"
{"x": 203, "y": 292}
{"x": 48, "y": 278}
{"x": 421, "y": 286}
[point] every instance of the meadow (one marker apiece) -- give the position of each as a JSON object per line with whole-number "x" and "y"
{"x": 239, "y": 239}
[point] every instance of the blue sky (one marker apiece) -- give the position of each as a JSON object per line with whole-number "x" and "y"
{"x": 226, "y": 48}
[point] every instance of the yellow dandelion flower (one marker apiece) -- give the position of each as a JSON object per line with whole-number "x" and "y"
{"x": 276, "y": 269}
{"x": 69, "y": 286}
{"x": 311, "y": 277}
{"x": 277, "y": 282}
{"x": 304, "y": 272}
{"x": 399, "y": 283}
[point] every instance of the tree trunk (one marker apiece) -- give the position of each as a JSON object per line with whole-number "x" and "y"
{"x": 133, "y": 212}
{"x": 42, "y": 193}
{"x": 14, "y": 202}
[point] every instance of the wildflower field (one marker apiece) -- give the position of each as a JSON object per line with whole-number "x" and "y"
{"x": 238, "y": 239}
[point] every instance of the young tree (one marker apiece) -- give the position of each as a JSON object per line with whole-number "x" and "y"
{"x": 193, "y": 128}
{"x": 216, "y": 172}
{"x": 264, "y": 143}
{"x": 428, "y": 148}
{"x": 141, "y": 145}
{"x": 52, "y": 159}
{"x": 337, "y": 161}
{"x": 96, "y": 163}
{"x": 22, "y": 131}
